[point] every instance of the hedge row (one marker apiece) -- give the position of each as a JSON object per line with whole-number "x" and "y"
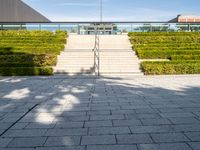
{"x": 163, "y": 33}
{"x": 167, "y": 54}
{"x": 164, "y": 40}
{"x": 37, "y": 60}
{"x": 24, "y": 71}
{"x": 185, "y": 57}
{"x": 30, "y": 52}
{"x": 183, "y": 49}
{"x": 173, "y": 67}
{"x": 26, "y": 33}
{"x": 167, "y": 48}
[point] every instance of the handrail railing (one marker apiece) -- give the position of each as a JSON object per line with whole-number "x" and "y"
{"x": 96, "y": 52}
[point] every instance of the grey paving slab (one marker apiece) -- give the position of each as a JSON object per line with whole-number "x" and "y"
{"x": 65, "y": 125}
{"x": 98, "y": 140}
{"x": 107, "y": 123}
{"x": 193, "y": 136}
{"x": 111, "y": 147}
{"x": 4, "y": 142}
{"x": 63, "y": 141}
{"x": 27, "y": 142}
{"x": 185, "y": 120}
{"x": 164, "y": 146}
{"x": 151, "y": 129}
{"x": 17, "y": 148}
{"x": 107, "y": 117}
{"x": 63, "y": 132}
{"x": 62, "y": 148}
{"x": 80, "y": 113}
{"x": 131, "y": 122}
{"x": 25, "y": 133}
{"x": 155, "y": 122}
{"x": 133, "y": 139}
{"x": 169, "y": 137}
{"x": 109, "y": 130}
{"x": 195, "y": 145}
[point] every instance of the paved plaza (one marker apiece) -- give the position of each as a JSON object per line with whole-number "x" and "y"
{"x": 122, "y": 113}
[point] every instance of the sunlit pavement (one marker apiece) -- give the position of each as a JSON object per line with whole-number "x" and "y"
{"x": 83, "y": 113}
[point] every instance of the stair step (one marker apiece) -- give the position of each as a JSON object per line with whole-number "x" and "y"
{"x": 116, "y": 56}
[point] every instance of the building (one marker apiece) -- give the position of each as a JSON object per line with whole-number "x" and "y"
{"x": 102, "y": 29}
{"x": 186, "y": 19}
{"x": 18, "y": 11}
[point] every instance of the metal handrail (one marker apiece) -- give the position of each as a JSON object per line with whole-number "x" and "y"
{"x": 96, "y": 53}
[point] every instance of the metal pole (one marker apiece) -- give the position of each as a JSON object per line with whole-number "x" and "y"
{"x": 101, "y": 10}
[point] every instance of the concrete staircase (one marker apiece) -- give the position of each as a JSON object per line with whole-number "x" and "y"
{"x": 116, "y": 56}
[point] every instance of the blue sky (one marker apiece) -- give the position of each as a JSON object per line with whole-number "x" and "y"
{"x": 115, "y": 10}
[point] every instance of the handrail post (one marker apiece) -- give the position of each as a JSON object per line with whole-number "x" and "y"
{"x": 96, "y": 53}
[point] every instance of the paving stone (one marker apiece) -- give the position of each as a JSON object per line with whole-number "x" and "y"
{"x": 146, "y": 111}
{"x": 79, "y": 113}
{"x": 96, "y": 112}
{"x": 171, "y": 110}
{"x": 98, "y": 140}
{"x": 194, "y": 136}
{"x": 121, "y": 112}
{"x": 13, "y": 115}
{"x": 19, "y": 126}
{"x": 108, "y": 130}
{"x": 98, "y": 123}
{"x": 27, "y": 142}
{"x": 17, "y": 148}
{"x": 97, "y": 104}
{"x": 105, "y": 108}
{"x": 4, "y": 126}
{"x": 186, "y": 128}
{"x": 63, "y": 141}
{"x": 169, "y": 137}
{"x": 4, "y": 141}
{"x": 164, "y": 146}
{"x": 73, "y": 118}
{"x": 107, "y": 117}
{"x": 184, "y": 120}
{"x": 111, "y": 147}
{"x": 40, "y": 126}
{"x": 132, "y": 122}
{"x": 195, "y": 145}
{"x": 151, "y": 129}
{"x": 62, "y": 148}
{"x": 133, "y": 139}
{"x": 65, "y": 125}
{"x": 9, "y": 120}
{"x": 176, "y": 115}
{"x": 155, "y": 121}
{"x": 25, "y": 133}
{"x": 63, "y": 132}
{"x": 143, "y": 116}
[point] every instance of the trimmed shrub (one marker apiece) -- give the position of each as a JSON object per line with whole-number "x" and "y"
{"x": 159, "y": 54}
{"x": 24, "y": 71}
{"x": 30, "y": 52}
{"x": 185, "y": 57}
{"x": 173, "y": 67}
{"x": 37, "y": 60}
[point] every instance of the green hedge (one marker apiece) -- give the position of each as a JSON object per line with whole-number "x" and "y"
{"x": 30, "y": 52}
{"x": 159, "y": 54}
{"x": 173, "y": 67}
{"x": 163, "y": 34}
{"x": 24, "y": 71}
{"x": 185, "y": 57}
{"x": 38, "y": 60}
